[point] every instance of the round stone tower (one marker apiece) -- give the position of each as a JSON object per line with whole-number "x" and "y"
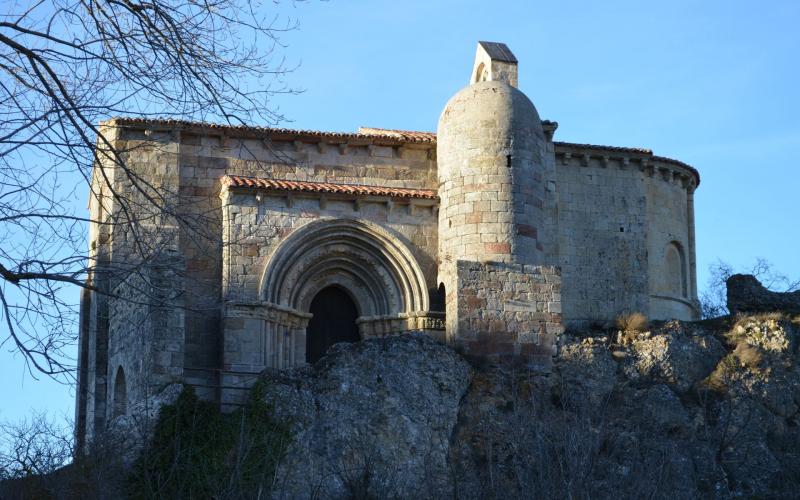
{"x": 490, "y": 155}
{"x": 501, "y": 302}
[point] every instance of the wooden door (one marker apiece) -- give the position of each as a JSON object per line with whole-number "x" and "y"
{"x": 334, "y": 321}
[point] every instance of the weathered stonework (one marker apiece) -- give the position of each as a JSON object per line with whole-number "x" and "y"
{"x": 491, "y": 237}
{"x": 507, "y": 312}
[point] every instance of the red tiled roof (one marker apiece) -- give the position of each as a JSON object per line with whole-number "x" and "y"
{"x": 406, "y": 135}
{"x": 363, "y": 133}
{"x": 235, "y": 181}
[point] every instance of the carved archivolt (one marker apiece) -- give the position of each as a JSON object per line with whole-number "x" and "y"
{"x": 373, "y": 266}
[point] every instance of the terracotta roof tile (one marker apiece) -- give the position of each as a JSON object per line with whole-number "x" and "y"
{"x": 235, "y": 181}
{"x": 364, "y": 133}
{"x": 406, "y": 135}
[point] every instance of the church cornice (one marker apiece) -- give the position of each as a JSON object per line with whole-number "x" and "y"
{"x": 390, "y": 137}
{"x": 624, "y": 157}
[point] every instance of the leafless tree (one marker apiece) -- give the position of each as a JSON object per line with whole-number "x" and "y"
{"x": 34, "y": 447}
{"x": 67, "y": 65}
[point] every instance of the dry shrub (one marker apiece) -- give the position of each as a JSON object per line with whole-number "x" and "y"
{"x": 632, "y": 322}
{"x": 627, "y": 337}
{"x": 720, "y": 378}
{"x": 761, "y": 317}
{"x": 750, "y": 356}
{"x": 743, "y": 355}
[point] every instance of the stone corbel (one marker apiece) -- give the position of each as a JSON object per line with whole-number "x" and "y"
{"x": 585, "y": 160}
{"x": 550, "y": 128}
{"x": 604, "y": 161}
{"x": 321, "y": 147}
{"x": 566, "y": 158}
{"x": 298, "y": 145}
{"x": 343, "y": 148}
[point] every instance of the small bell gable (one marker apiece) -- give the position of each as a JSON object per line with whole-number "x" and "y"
{"x": 494, "y": 61}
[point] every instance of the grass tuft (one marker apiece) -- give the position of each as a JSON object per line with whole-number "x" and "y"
{"x": 632, "y": 322}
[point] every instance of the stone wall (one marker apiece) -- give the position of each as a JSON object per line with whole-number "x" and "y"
{"x": 618, "y": 215}
{"x": 507, "y": 311}
{"x": 602, "y": 231}
{"x": 147, "y": 330}
{"x": 671, "y": 247}
{"x": 257, "y": 225}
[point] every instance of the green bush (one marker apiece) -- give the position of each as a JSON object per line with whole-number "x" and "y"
{"x": 199, "y": 452}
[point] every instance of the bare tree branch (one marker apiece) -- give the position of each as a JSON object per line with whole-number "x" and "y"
{"x": 66, "y": 66}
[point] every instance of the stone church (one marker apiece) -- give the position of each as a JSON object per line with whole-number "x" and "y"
{"x": 488, "y": 235}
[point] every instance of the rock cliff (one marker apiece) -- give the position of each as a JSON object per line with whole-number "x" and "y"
{"x": 685, "y": 410}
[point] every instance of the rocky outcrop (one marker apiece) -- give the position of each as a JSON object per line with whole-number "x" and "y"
{"x": 586, "y": 372}
{"x": 747, "y": 295}
{"x": 680, "y": 411}
{"x": 370, "y": 420}
{"x": 128, "y": 433}
{"x": 675, "y": 354}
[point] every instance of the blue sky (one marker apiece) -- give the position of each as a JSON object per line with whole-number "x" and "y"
{"x": 714, "y": 84}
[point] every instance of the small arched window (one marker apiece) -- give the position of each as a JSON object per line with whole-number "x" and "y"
{"x": 480, "y": 73}
{"x": 120, "y": 394}
{"x": 675, "y": 269}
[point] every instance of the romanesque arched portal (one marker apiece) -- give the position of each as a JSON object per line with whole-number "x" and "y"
{"x": 374, "y": 267}
{"x": 362, "y": 257}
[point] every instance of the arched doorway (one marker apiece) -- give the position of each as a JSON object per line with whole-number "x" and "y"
{"x": 370, "y": 265}
{"x": 334, "y": 320}
{"x": 120, "y": 394}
